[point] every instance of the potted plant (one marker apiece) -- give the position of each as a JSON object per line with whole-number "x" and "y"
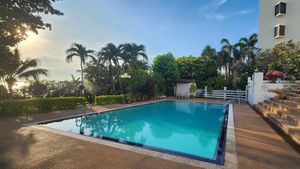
{"x": 193, "y": 88}
{"x": 281, "y": 93}
{"x": 274, "y": 75}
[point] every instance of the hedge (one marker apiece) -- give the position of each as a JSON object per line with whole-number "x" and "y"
{"x": 38, "y": 105}
{"x": 110, "y": 99}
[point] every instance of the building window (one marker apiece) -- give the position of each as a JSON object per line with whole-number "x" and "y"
{"x": 279, "y": 31}
{"x": 280, "y": 9}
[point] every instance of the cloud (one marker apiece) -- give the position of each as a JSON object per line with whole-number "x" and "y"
{"x": 220, "y": 2}
{"x": 222, "y": 16}
{"x": 211, "y": 11}
{"x": 218, "y": 17}
{"x": 244, "y": 12}
{"x": 212, "y": 5}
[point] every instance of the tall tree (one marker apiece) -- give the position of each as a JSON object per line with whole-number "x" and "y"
{"x": 133, "y": 55}
{"x": 110, "y": 55}
{"x": 81, "y": 52}
{"x": 166, "y": 73}
{"x": 13, "y": 68}
{"x": 249, "y": 48}
{"x": 17, "y": 17}
{"x": 208, "y": 51}
{"x": 234, "y": 51}
{"x": 224, "y": 61}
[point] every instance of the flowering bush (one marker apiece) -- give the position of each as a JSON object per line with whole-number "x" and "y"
{"x": 274, "y": 74}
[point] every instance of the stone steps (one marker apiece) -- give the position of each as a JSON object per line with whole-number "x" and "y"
{"x": 284, "y": 113}
{"x": 264, "y": 111}
{"x": 288, "y": 103}
{"x": 276, "y": 107}
{"x": 294, "y": 98}
{"x": 287, "y": 127}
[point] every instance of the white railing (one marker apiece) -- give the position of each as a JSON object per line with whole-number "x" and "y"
{"x": 224, "y": 94}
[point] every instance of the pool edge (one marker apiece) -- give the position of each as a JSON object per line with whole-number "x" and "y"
{"x": 230, "y": 148}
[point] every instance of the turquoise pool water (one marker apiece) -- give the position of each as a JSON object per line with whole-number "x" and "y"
{"x": 177, "y": 126}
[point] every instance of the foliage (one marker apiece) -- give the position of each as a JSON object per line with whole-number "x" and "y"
{"x": 165, "y": 72}
{"x": 128, "y": 98}
{"x": 149, "y": 88}
{"x": 193, "y": 87}
{"x": 37, "y": 89}
{"x": 186, "y": 67}
{"x": 90, "y": 98}
{"x": 243, "y": 51}
{"x": 98, "y": 75}
{"x": 38, "y": 105}
{"x": 214, "y": 83}
{"x": 19, "y": 17}
{"x": 109, "y": 99}
{"x": 283, "y": 57}
{"x": 198, "y": 68}
{"x": 3, "y": 93}
{"x": 208, "y": 51}
{"x": 137, "y": 82}
{"x": 81, "y": 52}
{"x": 13, "y": 69}
{"x": 133, "y": 56}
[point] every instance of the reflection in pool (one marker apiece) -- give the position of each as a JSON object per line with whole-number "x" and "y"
{"x": 184, "y": 127}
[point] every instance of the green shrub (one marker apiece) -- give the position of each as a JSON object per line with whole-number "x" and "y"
{"x": 38, "y": 105}
{"x": 110, "y": 99}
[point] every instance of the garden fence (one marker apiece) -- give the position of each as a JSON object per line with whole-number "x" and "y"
{"x": 239, "y": 95}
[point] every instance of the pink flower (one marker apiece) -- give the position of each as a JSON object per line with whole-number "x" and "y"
{"x": 274, "y": 74}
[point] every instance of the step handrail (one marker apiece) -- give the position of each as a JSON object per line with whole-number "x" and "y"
{"x": 83, "y": 109}
{"x": 228, "y": 102}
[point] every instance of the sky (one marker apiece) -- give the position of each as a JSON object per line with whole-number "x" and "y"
{"x": 182, "y": 27}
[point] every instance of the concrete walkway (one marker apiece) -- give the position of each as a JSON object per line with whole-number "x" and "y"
{"x": 258, "y": 146}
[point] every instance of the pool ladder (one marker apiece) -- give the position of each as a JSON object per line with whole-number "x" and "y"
{"x": 84, "y": 110}
{"x": 228, "y": 102}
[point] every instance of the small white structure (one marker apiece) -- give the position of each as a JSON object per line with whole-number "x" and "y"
{"x": 183, "y": 88}
{"x": 259, "y": 90}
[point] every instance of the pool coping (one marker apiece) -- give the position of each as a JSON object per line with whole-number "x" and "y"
{"x": 230, "y": 147}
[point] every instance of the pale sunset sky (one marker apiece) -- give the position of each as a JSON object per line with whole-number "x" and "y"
{"x": 182, "y": 27}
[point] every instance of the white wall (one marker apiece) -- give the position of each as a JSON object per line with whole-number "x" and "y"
{"x": 183, "y": 89}
{"x": 267, "y": 22}
{"x": 259, "y": 90}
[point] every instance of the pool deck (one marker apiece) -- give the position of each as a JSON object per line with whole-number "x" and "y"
{"x": 258, "y": 146}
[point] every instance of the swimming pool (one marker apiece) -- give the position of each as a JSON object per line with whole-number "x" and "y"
{"x": 190, "y": 129}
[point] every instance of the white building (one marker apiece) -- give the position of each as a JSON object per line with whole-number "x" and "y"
{"x": 279, "y": 20}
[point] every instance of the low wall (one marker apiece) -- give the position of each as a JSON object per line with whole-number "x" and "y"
{"x": 259, "y": 90}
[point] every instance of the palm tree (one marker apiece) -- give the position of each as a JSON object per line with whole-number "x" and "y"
{"x": 208, "y": 51}
{"x": 224, "y": 61}
{"x": 110, "y": 55}
{"x": 249, "y": 47}
{"x": 234, "y": 51}
{"x": 16, "y": 69}
{"x": 81, "y": 52}
{"x": 133, "y": 55}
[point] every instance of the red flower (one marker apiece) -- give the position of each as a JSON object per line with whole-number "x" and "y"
{"x": 274, "y": 74}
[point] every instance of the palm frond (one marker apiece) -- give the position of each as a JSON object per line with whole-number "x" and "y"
{"x": 26, "y": 65}
{"x": 34, "y": 73}
{"x": 69, "y": 57}
{"x": 225, "y": 41}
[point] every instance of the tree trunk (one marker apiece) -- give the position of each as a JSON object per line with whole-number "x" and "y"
{"x": 236, "y": 67}
{"x": 9, "y": 86}
{"x": 81, "y": 67}
{"x": 226, "y": 71}
{"x": 111, "y": 77}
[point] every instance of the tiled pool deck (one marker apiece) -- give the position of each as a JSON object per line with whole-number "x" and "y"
{"x": 257, "y": 146}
